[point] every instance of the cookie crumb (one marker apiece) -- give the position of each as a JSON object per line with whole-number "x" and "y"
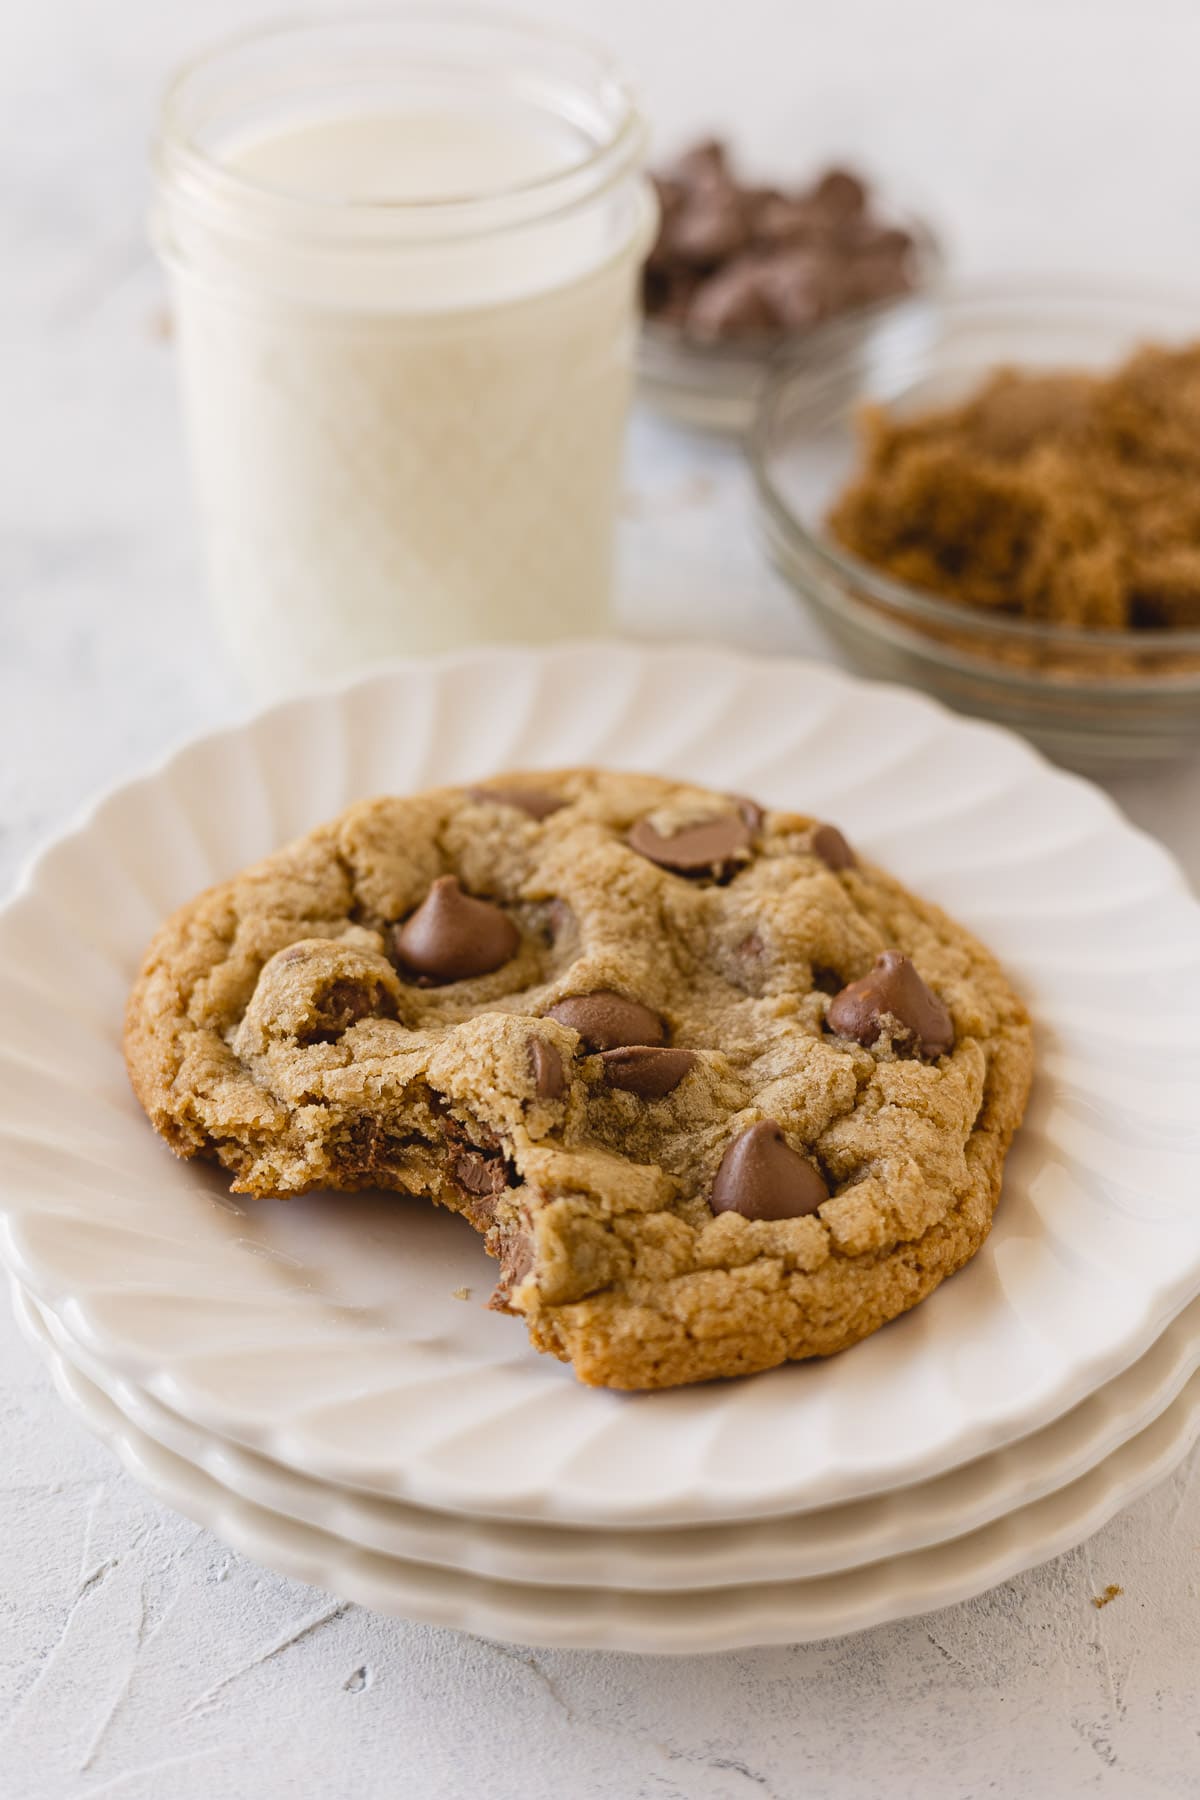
{"x": 1111, "y": 1592}
{"x": 461, "y": 1293}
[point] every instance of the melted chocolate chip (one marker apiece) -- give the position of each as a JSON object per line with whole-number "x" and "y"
{"x": 828, "y": 843}
{"x": 475, "y": 1174}
{"x": 649, "y": 1073}
{"x": 518, "y": 1259}
{"x": 344, "y": 1002}
{"x": 546, "y": 1066}
{"x": 369, "y": 1152}
{"x": 453, "y": 936}
{"x": 712, "y": 847}
{"x": 608, "y": 1021}
{"x": 762, "y": 1177}
{"x": 893, "y": 989}
{"x": 516, "y": 1253}
{"x": 537, "y": 802}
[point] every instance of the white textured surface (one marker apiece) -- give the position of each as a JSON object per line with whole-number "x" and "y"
{"x": 137, "y": 1658}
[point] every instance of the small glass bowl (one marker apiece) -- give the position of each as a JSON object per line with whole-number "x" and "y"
{"x": 1098, "y": 700}
{"x": 718, "y": 386}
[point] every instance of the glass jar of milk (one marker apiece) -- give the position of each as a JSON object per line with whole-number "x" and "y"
{"x": 404, "y": 254}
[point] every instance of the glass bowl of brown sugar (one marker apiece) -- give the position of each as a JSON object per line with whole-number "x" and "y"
{"x": 995, "y": 496}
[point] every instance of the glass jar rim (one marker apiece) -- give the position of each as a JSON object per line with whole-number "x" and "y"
{"x": 201, "y": 178}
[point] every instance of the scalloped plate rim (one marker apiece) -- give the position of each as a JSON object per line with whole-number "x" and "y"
{"x": 904, "y": 1532}
{"x": 84, "y": 814}
{"x": 710, "y": 1620}
{"x": 442, "y": 1491}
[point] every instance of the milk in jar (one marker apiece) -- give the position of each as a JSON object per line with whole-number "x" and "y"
{"x": 404, "y": 255}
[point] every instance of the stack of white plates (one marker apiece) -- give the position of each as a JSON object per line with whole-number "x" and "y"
{"x": 320, "y": 1381}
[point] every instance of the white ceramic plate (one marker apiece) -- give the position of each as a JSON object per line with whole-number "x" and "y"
{"x": 779, "y": 1612}
{"x": 326, "y": 1336}
{"x": 686, "y": 1557}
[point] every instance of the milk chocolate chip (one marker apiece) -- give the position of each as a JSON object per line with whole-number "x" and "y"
{"x": 739, "y": 261}
{"x": 649, "y": 1073}
{"x": 752, "y": 813}
{"x": 711, "y": 847}
{"x": 709, "y": 226}
{"x": 343, "y": 1003}
{"x": 832, "y": 848}
{"x": 798, "y": 288}
{"x": 703, "y": 164}
{"x": 536, "y": 802}
{"x": 840, "y": 195}
{"x": 546, "y": 1066}
{"x": 517, "y": 1256}
{"x": 608, "y": 1021}
{"x": 893, "y": 989}
{"x": 762, "y": 1177}
{"x": 453, "y": 936}
{"x": 478, "y": 1175}
{"x": 731, "y": 304}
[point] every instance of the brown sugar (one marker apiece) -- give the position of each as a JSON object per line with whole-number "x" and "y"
{"x": 1068, "y": 498}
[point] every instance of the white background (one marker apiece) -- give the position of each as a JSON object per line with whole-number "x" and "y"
{"x": 139, "y": 1659}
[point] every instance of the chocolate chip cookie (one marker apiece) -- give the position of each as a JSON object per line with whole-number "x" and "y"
{"x": 718, "y": 1093}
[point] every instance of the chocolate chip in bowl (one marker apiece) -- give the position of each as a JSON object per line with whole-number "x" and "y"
{"x": 740, "y": 271}
{"x": 989, "y": 496}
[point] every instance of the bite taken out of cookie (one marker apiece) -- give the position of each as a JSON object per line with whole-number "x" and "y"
{"x": 718, "y": 1093}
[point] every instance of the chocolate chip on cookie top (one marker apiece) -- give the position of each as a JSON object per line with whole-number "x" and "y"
{"x": 762, "y": 1177}
{"x": 893, "y": 991}
{"x": 752, "y": 813}
{"x": 832, "y": 848}
{"x": 453, "y": 936}
{"x": 643, "y": 1070}
{"x": 608, "y": 1021}
{"x": 537, "y": 803}
{"x": 705, "y": 847}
